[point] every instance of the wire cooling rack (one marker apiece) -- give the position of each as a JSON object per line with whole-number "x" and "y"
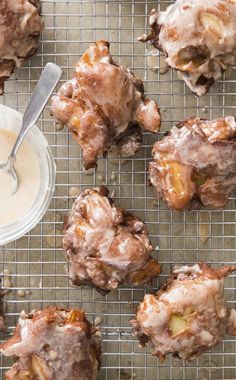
{"x": 36, "y": 261}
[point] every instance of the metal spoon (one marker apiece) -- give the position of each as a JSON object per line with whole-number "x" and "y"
{"x": 44, "y": 88}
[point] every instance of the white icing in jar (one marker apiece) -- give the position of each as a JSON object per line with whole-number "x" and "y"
{"x": 35, "y": 166}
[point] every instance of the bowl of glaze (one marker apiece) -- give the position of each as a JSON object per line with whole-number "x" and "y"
{"x": 10, "y": 120}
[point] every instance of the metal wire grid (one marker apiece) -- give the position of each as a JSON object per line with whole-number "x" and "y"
{"x": 36, "y": 261}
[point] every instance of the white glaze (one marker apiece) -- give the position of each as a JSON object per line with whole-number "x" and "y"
{"x": 206, "y": 325}
{"x": 14, "y": 206}
{"x": 104, "y": 244}
{"x": 69, "y": 344}
{"x": 189, "y": 25}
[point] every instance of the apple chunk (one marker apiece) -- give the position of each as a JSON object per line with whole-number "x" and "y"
{"x": 212, "y": 22}
{"x": 38, "y": 367}
{"x": 177, "y": 324}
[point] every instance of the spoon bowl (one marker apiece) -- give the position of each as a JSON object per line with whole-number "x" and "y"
{"x": 43, "y": 90}
{"x": 35, "y": 143}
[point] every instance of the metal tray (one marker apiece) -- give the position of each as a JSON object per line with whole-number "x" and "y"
{"x": 36, "y": 261}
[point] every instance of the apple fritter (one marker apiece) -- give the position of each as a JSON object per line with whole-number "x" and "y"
{"x": 187, "y": 317}
{"x": 195, "y": 164}
{"x": 198, "y": 39}
{"x": 104, "y": 104}
{"x": 53, "y": 344}
{"x": 105, "y": 245}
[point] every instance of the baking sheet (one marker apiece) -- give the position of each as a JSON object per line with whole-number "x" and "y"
{"x": 36, "y": 261}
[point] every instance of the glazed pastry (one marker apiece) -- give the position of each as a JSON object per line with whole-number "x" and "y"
{"x": 53, "y": 344}
{"x": 106, "y": 245}
{"x": 198, "y": 39}
{"x": 104, "y": 104}
{"x": 195, "y": 164}
{"x": 189, "y": 316}
{"x": 20, "y": 26}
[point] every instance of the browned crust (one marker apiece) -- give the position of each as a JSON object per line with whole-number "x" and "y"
{"x": 153, "y": 36}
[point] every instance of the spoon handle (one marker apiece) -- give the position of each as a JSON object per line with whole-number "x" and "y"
{"x": 44, "y": 88}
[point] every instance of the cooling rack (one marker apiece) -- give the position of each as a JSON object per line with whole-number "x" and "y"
{"x": 36, "y": 261}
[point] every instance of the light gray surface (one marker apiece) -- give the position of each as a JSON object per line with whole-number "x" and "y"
{"x": 37, "y": 261}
